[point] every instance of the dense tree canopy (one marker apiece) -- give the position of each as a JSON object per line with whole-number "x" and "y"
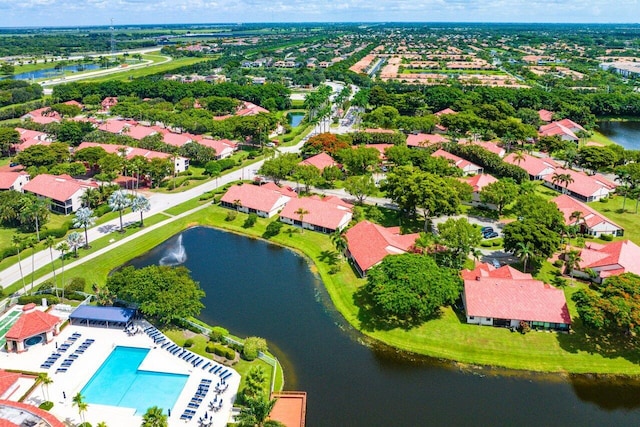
{"x": 280, "y": 167}
{"x": 162, "y": 292}
{"x": 411, "y": 287}
{"x": 542, "y": 241}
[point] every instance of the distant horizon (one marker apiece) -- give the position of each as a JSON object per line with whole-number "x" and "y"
{"x": 89, "y": 13}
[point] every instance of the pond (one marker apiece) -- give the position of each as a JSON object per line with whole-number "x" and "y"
{"x": 626, "y": 134}
{"x": 52, "y": 72}
{"x": 295, "y": 118}
{"x": 255, "y": 288}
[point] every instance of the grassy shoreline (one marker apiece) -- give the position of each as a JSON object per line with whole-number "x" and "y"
{"x": 447, "y": 337}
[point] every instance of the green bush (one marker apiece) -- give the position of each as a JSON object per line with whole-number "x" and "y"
{"x": 46, "y": 405}
{"x": 102, "y": 210}
{"x": 75, "y": 296}
{"x": 26, "y": 299}
{"x": 206, "y": 196}
{"x": 7, "y": 252}
{"x": 496, "y": 242}
{"x": 188, "y": 343}
{"x": 557, "y": 263}
{"x": 253, "y": 345}
{"x": 273, "y": 229}
{"x": 210, "y": 347}
{"x": 250, "y": 221}
{"x": 85, "y": 424}
{"x": 486, "y": 244}
{"x": 230, "y": 354}
{"x": 606, "y": 237}
{"x": 76, "y": 284}
{"x": 57, "y": 233}
{"x": 188, "y": 172}
{"x": 231, "y": 216}
{"x": 218, "y": 333}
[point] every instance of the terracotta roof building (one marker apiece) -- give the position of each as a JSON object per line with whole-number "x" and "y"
{"x": 320, "y": 161}
{"x": 325, "y": 215}
{"x": 545, "y": 115}
{"x": 505, "y": 297}
{"x": 591, "y": 221}
{"x": 264, "y": 200}
{"x": 43, "y": 116}
{"x": 181, "y": 164}
{"x": 63, "y": 191}
{"x": 467, "y": 167}
{"x": 369, "y": 243}
{"x": 32, "y": 328}
{"x": 536, "y": 167}
{"x": 25, "y": 415}
{"x": 587, "y": 188}
{"x": 424, "y": 139}
{"x": 13, "y": 180}
{"x": 610, "y": 259}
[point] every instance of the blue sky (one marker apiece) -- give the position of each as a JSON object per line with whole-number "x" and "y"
{"x": 98, "y": 12}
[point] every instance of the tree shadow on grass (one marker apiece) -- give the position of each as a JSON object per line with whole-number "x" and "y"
{"x": 372, "y": 320}
{"x": 611, "y": 346}
{"x": 329, "y": 257}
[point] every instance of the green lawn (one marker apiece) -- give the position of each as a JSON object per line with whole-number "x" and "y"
{"x": 149, "y": 69}
{"x": 600, "y": 138}
{"x": 628, "y": 219}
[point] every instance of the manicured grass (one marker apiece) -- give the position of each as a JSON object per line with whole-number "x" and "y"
{"x": 600, "y": 138}
{"x": 149, "y": 69}
{"x": 628, "y": 219}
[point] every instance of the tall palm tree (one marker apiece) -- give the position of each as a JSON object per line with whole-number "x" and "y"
{"x": 119, "y": 201}
{"x": 35, "y": 211}
{"x": 255, "y": 412}
{"x": 567, "y": 179}
{"x": 91, "y": 197}
{"x": 48, "y": 243}
{"x": 84, "y": 218}
{"x": 301, "y": 212}
{"x": 154, "y": 418}
{"x": 45, "y": 381}
{"x": 63, "y": 247}
{"x": 623, "y": 177}
{"x": 518, "y": 157}
{"x": 17, "y": 242}
{"x": 339, "y": 241}
{"x": 78, "y": 400}
{"x": 140, "y": 204}
{"x": 75, "y": 241}
{"x": 32, "y": 242}
{"x": 571, "y": 262}
{"x": 524, "y": 252}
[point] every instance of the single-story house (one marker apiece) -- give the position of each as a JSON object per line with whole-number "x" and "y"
{"x": 610, "y": 259}
{"x": 536, "y": 167}
{"x": 588, "y": 188}
{"x": 381, "y": 149}
{"x": 264, "y": 200}
{"x": 29, "y": 138}
{"x": 247, "y": 108}
{"x": 224, "y": 148}
{"x": 558, "y": 129}
{"x": 320, "y": 161}
{"x": 490, "y": 147}
{"x": 591, "y": 221}
{"x": 505, "y": 297}
{"x": 33, "y": 327}
{"x": 369, "y": 243}
{"x": 109, "y": 102}
{"x": 420, "y": 140}
{"x": 13, "y": 180}
{"x": 43, "y": 116}
{"x": 467, "y": 167}
{"x": 63, "y": 191}
{"x": 181, "y": 164}
{"x": 478, "y": 182}
{"x": 325, "y": 215}
{"x": 545, "y": 115}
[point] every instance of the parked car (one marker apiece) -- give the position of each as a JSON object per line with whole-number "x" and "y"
{"x": 491, "y": 235}
{"x": 484, "y": 230}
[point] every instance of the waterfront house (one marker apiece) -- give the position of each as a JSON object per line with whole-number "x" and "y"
{"x": 325, "y": 215}
{"x": 264, "y": 200}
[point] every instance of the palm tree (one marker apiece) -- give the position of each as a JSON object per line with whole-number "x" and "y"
{"x": 524, "y": 252}
{"x": 154, "y": 418}
{"x": 255, "y": 412}
{"x": 75, "y": 240}
{"x": 301, "y": 212}
{"x": 35, "y": 210}
{"x": 519, "y": 156}
{"x": 63, "y": 247}
{"x": 571, "y": 262}
{"x": 119, "y": 201}
{"x": 622, "y": 176}
{"x": 101, "y": 424}
{"x": 339, "y": 241}
{"x": 568, "y": 179}
{"x": 78, "y": 400}
{"x": 48, "y": 243}
{"x": 84, "y": 218}
{"x": 32, "y": 242}
{"x": 90, "y": 197}
{"x": 140, "y": 204}
{"x": 17, "y": 242}
{"x": 45, "y": 380}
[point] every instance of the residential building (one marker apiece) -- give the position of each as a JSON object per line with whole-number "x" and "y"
{"x": 478, "y": 182}
{"x": 325, "y": 215}
{"x": 43, "y": 116}
{"x": 369, "y": 243}
{"x": 536, "y": 167}
{"x": 565, "y": 129}
{"x": 467, "y": 167}
{"x": 587, "y": 188}
{"x": 545, "y": 115}
{"x": 109, "y": 102}
{"x": 420, "y": 140}
{"x": 590, "y": 221}
{"x": 223, "y": 147}
{"x": 181, "y": 163}
{"x": 490, "y": 147}
{"x": 63, "y": 191}
{"x": 320, "y": 161}
{"x": 264, "y": 200}
{"x": 13, "y": 180}
{"x": 610, "y": 259}
{"x": 506, "y": 297}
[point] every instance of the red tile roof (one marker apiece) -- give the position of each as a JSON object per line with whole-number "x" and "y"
{"x": 591, "y": 218}
{"x": 43, "y": 116}
{"x": 55, "y": 187}
{"x": 7, "y": 179}
{"x": 378, "y": 130}
{"x": 109, "y": 102}
{"x": 369, "y": 243}
{"x": 330, "y": 212}
{"x": 555, "y": 128}
{"x": 517, "y": 299}
{"x": 221, "y": 146}
{"x": 446, "y": 111}
{"x": 533, "y": 165}
{"x": 619, "y": 257}
{"x": 320, "y": 161}
{"x": 48, "y": 417}
{"x": 570, "y": 124}
{"x": 583, "y": 184}
{"x": 458, "y": 162}
{"x": 130, "y": 152}
{"x": 424, "y": 139}
{"x": 263, "y": 198}
{"x": 490, "y": 146}
{"x": 545, "y": 115}
{"x": 478, "y": 182}
{"x": 250, "y": 109}
{"x": 32, "y": 323}
{"x": 488, "y": 270}
{"x": 381, "y": 148}
{"x": 7, "y": 380}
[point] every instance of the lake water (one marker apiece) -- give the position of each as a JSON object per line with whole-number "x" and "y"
{"x": 52, "y": 72}
{"x": 626, "y": 134}
{"x": 295, "y": 118}
{"x": 255, "y": 288}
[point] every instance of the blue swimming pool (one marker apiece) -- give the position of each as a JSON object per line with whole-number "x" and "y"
{"x": 119, "y": 382}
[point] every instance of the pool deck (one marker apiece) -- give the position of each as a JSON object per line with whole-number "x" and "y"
{"x": 71, "y": 382}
